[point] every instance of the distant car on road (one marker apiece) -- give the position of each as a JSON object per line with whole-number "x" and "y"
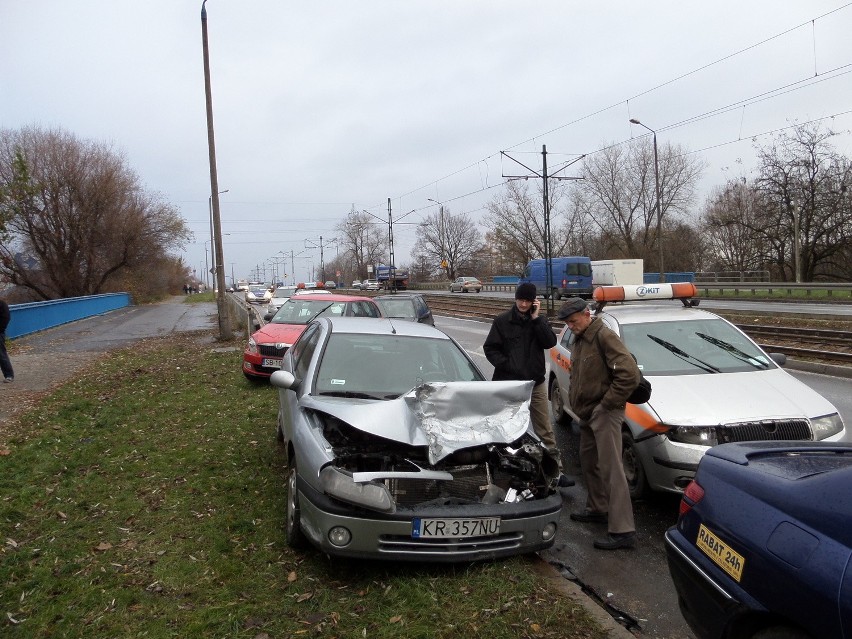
{"x": 330, "y": 284}
{"x": 257, "y": 294}
{"x": 267, "y": 345}
{"x": 409, "y": 306}
{"x": 763, "y": 543}
{"x": 465, "y": 285}
{"x": 398, "y": 449}
{"x": 711, "y": 384}
{"x": 279, "y": 296}
{"x": 356, "y": 284}
{"x": 370, "y": 285}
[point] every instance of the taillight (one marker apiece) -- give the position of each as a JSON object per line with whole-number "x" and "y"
{"x": 691, "y": 496}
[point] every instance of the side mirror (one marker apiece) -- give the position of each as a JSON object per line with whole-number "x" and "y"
{"x": 285, "y": 380}
{"x": 268, "y": 317}
{"x": 778, "y": 358}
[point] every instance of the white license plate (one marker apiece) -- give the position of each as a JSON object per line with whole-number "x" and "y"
{"x": 455, "y": 528}
{"x": 272, "y": 363}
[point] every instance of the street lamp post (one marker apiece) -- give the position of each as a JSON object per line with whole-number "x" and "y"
{"x": 659, "y": 200}
{"x": 440, "y": 229}
{"x": 206, "y": 267}
{"x": 225, "y": 330}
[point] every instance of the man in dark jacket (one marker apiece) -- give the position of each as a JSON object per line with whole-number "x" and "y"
{"x": 515, "y": 346}
{"x": 603, "y": 374}
{"x": 5, "y": 362}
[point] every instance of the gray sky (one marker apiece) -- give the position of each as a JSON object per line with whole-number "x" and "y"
{"x": 319, "y": 106}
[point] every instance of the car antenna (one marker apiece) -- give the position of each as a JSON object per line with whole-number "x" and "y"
{"x": 393, "y": 328}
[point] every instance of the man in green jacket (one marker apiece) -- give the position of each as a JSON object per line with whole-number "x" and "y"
{"x": 603, "y": 374}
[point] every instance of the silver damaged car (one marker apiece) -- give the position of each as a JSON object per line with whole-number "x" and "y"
{"x": 399, "y": 449}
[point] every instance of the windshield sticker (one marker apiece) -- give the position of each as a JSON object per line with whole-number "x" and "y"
{"x": 338, "y": 382}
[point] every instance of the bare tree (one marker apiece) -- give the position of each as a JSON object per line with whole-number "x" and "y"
{"x": 516, "y": 223}
{"x": 805, "y": 183}
{"x": 618, "y": 191}
{"x": 453, "y": 239}
{"x": 364, "y": 238}
{"x": 75, "y": 218}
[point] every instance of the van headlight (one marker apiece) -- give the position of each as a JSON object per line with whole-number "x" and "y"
{"x": 698, "y": 435}
{"x": 826, "y": 426}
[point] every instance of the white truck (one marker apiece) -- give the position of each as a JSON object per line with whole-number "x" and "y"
{"x": 617, "y": 272}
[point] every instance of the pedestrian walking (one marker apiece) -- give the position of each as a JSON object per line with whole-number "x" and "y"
{"x": 603, "y": 373}
{"x": 5, "y": 362}
{"x": 515, "y": 346}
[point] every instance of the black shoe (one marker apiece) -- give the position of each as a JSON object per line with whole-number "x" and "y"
{"x": 616, "y": 540}
{"x": 565, "y": 482}
{"x": 590, "y": 517}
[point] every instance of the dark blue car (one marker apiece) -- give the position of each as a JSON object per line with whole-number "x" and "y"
{"x": 763, "y": 544}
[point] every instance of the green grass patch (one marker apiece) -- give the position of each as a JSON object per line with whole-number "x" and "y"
{"x": 146, "y": 499}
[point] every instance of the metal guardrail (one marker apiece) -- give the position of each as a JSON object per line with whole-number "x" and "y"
{"x": 32, "y": 317}
{"x": 831, "y": 289}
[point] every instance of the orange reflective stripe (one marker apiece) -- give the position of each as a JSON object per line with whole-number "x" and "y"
{"x": 643, "y": 418}
{"x": 562, "y": 361}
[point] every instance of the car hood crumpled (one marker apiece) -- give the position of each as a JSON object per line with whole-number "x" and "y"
{"x": 444, "y": 416}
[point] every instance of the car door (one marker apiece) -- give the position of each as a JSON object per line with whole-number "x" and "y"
{"x": 297, "y": 361}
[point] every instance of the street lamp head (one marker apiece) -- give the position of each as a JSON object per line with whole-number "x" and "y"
{"x": 634, "y": 121}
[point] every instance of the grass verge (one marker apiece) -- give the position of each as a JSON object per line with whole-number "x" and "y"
{"x": 146, "y": 499}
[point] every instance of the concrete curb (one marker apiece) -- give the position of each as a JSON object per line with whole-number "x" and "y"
{"x": 834, "y": 370}
{"x": 571, "y": 590}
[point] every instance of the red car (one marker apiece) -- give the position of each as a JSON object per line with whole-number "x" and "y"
{"x": 266, "y": 347}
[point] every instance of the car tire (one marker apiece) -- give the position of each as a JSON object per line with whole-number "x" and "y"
{"x": 781, "y": 632}
{"x": 637, "y": 482}
{"x": 557, "y": 404}
{"x": 293, "y": 526}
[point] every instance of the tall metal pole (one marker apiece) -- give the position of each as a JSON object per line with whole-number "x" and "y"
{"x": 225, "y": 332}
{"x": 392, "y": 264}
{"x": 659, "y": 199}
{"x": 548, "y": 257}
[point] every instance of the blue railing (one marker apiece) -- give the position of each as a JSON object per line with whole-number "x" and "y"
{"x": 38, "y": 316}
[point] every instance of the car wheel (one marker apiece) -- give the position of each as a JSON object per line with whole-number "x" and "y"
{"x": 780, "y": 632}
{"x": 633, "y": 470}
{"x": 557, "y": 405}
{"x": 293, "y": 530}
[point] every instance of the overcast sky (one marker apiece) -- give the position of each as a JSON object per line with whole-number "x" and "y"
{"x": 321, "y": 106}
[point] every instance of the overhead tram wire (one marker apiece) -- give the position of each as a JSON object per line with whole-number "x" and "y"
{"x": 618, "y": 104}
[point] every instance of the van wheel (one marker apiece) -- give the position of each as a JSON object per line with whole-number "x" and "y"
{"x": 637, "y": 482}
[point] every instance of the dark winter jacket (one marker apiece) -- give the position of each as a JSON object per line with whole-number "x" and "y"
{"x": 515, "y": 346}
{"x": 602, "y": 371}
{"x": 5, "y": 315}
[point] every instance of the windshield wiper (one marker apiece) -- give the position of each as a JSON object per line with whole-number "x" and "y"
{"x": 684, "y": 355}
{"x": 350, "y": 394}
{"x": 733, "y": 350}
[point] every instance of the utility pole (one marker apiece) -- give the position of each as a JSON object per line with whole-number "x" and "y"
{"x": 392, "y": 262}
{"x": 548, "y": 255}
{"x": 320, "y": 246}
{"x": 225, "y": 331}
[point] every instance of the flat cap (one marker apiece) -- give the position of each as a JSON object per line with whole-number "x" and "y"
{"x": 572, "y": 305}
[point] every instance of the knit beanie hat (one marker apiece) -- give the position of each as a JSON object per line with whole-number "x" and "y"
{"x": 525, "y": 291}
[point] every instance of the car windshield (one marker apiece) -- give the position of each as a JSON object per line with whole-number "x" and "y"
{"x": 258, "y": 292}
{"x": 283, "y": 292}
{"x": 301, "y": 311}
{"x": 387, "y": 366}
{"x": 695, "y": 347}
{"x": 403, "y": 308}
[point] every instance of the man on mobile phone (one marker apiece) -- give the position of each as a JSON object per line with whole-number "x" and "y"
{"x": 515, "y": 346}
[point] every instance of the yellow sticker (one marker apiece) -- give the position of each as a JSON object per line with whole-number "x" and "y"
{"x": 723, "y": 555}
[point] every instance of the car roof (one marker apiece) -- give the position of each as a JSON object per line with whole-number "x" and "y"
{"x": 397, "y": 296}
{"x": 334, "y": 297}
{"x": 381, "y": 326}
